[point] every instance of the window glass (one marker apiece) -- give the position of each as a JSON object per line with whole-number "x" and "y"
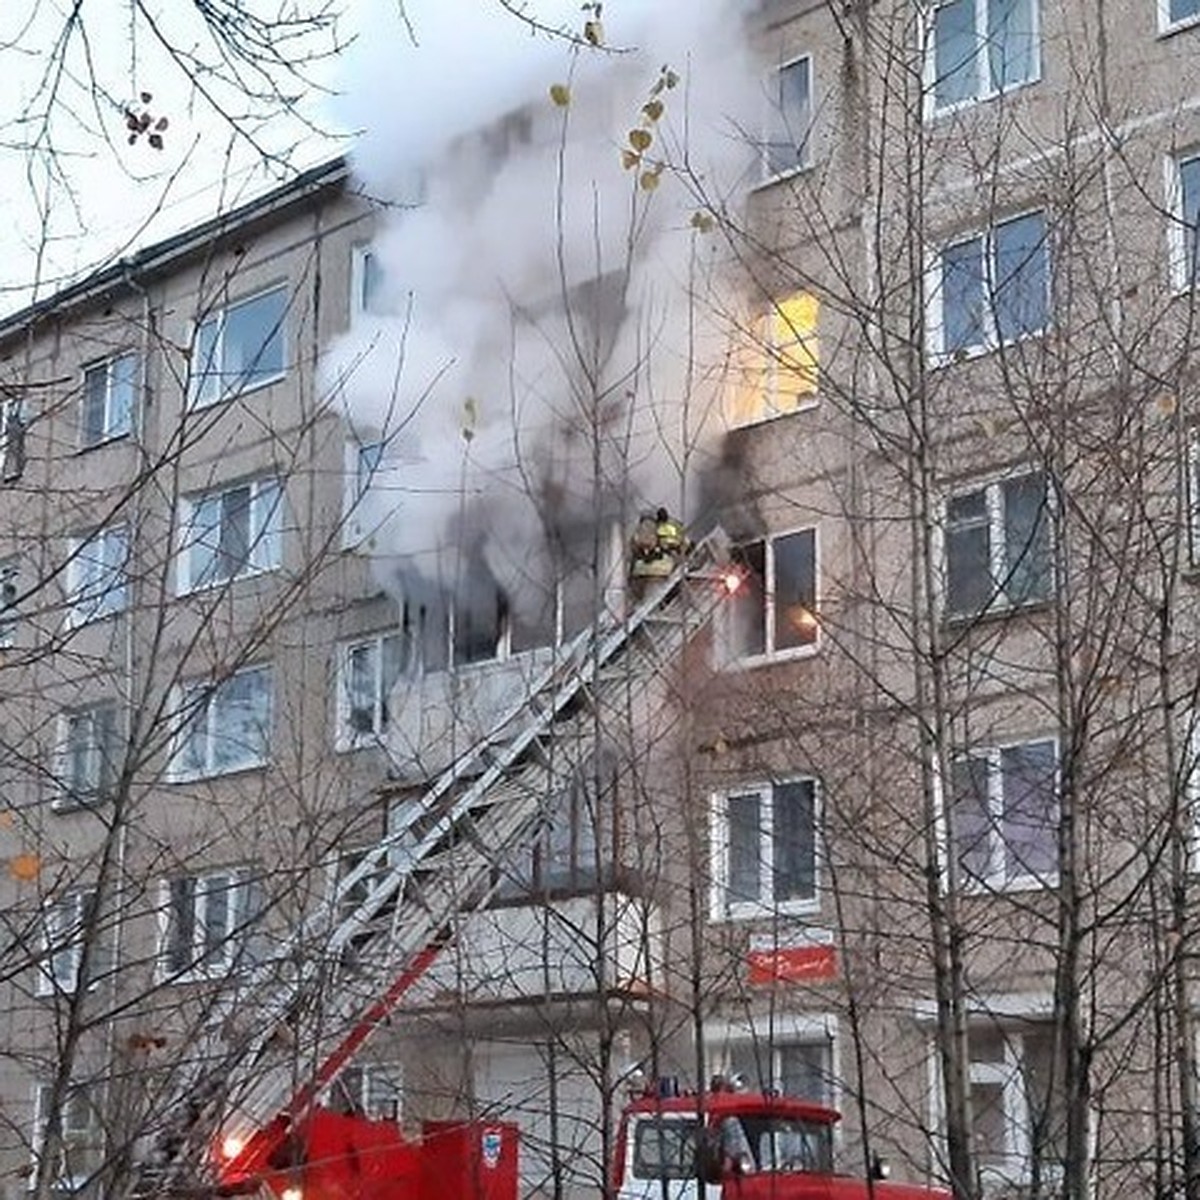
{"x": 1182, "y": 10}
{"x": 795, "y": 590}
{"x": 794, "y": 857}
{"x": 745, "y": 846}
{"x": 789, "y": 116}
{"x": 90, "y": 753}
{"x": 1189, "y": 193}
{"x": 1027, "y": 562}
{"x": 981, "y": 47}
{"x": 1021, "y": 274}
{"x": 8, "y": 602}
{"x": 664, "y": 1148}
{"x": 97, "y": 575}
{"x": 1005, "y": 815}
{"x": 954, "y": 52}
{"x": 963, "y": 293}
{"x": 108, "y": 398}
{"x": 998, "y": 545}
{"x": 241, "y": 347}
{"x": 227, "y": 727}
{"x": 230, "y": 533}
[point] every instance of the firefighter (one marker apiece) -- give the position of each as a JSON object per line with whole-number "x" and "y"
{"x": 669, "y": 536}
{"x": 657, "y": 546}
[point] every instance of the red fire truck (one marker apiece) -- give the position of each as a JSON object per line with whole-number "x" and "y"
{"x": 739, "y": 1145}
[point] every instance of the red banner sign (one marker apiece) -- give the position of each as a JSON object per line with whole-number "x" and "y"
{"x": 792, "y": 964}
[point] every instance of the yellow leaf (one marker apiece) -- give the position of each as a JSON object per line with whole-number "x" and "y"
{"x": 24, "y": 867}
{"x": 649, "y": 181}
{"x": 630, "y": 159}
{"x": 702, "y": 222}
{"x": 653, "y": 109}
{"x": 640, "y": 139}
{"x": 560, "y": 94}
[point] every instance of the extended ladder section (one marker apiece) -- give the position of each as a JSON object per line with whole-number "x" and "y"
{"x": 313, "y": 1003}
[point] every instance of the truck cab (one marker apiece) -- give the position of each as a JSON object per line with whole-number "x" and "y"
{"x": 738, "y": 1145}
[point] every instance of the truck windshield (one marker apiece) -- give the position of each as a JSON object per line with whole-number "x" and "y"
{"x": 779, "y": 1143}
{"x": 665, "y": 1148}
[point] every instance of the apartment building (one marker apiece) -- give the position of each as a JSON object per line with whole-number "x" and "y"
{"x": 910, "y": 829}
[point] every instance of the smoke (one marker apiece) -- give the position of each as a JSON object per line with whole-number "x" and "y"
{"x": 533, "y": 369}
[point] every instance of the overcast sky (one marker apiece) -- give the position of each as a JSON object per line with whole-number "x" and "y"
{"x": 407, "y": 87}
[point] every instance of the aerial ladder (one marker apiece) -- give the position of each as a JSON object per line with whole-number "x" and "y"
{"x": 443, "y": 857}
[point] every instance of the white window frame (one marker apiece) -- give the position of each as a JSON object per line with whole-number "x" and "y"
{"x": 771, "y": 652}
{"x": 13, "y": 434}
{"x": 263, "y": 539}
{"x": 999, "y": 599}
{"x": 985, "y": 87}
{"x": 204, "y": 701}
{"x": 350, "y": 737}
{"x": 364, "y": 462}
{"x": 117, "y": 421}
{"x": 1184, "y": 275}
{"x": 97, "y": 575}
{"x": 63, "y": 933}
{"x": 991, "y": 297}
{"x": 101, "y": 758}
{"x": 1168, "y": 26}
{"x": 723, "y": 907}
{"x": 777, "y": 122}
{"x": 374, "y": 1090}
{"x": 94, "y": 1129}
{"x": 9, "y": 589}
{"x": 1007, "y": 1013}
{"x": 996, "y": 878}
{"x": 366, "y": 297}
{"x": 777, "y": 1031}
{"x": 231, "y": 937}
{"x": 208, "y": 384}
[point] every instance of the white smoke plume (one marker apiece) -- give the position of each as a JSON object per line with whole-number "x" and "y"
{"x": 515, "y": 433}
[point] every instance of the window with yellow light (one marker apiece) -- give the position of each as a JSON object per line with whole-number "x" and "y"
{"x": 780, "y": 362}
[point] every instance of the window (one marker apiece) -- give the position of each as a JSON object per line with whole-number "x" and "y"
{"x": 998, "y": 546}
{"x": 65, "y": 921}
{"x": 230, "y": 533}
{"x": 80, "y": 1148}
{"x": 992, "y": 288}
{"x": 1177, "y": 12}
{"x": 364, "y": 462}
{"x": 108, "y": 397}
{"x": 765, "y": 843}
{"x": 88, "y": 755}
{"x": 781, "y": 361}
{"x": 203, "y": 922}
{"x": 788, "y": 119}
{"x": 1005, "y": 807}
{"x": 802, "y": 1068}
{"x": 369, "y": 670}
{"x": 8, "y": 602}
{"x": 775, "y": 609}
{"x": 982, "y": 47}
{"x": 1017, "y": 1110}
{"x": 566, "y": 856}
{"x": 97, "y": 578}
{"x": 12, "y": 438}
{"x": 239, "y": 348}
{"x": 226, "y": 726}
{"x": 367, "y": 282}
{"x": 375, "y": 1090}
{"x": 1184, "y": 229}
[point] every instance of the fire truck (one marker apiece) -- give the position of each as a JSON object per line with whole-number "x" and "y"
{"x": 738, "y": 1145}
{"x": 251, "y": 1117}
